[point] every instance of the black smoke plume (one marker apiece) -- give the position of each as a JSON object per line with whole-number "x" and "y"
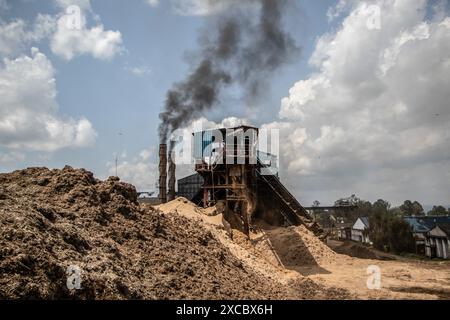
{"x": 240, "y": 51}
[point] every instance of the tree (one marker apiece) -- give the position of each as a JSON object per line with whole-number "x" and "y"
{"x": 396, "y": 212}
{"x": 381, "y": 205}
{"x": 363, "y": 208}
{"x": 418, "y": 209}
{"x": 378, "y": 226}
{"x": 390, "y": 231}
{"x": 410, "y": 208}
{"x": 400, "y": 236}
{"x": 438, "y": 211}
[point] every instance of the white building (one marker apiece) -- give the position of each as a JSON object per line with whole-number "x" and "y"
{"x": 360, "y": 230}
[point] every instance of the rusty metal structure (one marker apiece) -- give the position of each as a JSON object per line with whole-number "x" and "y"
{"x": 228, "y": 167}
{"x": 233, "y": 173}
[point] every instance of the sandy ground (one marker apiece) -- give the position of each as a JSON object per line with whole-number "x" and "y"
{"x": 295, "y": 254}
{"x": 399, "y": 279}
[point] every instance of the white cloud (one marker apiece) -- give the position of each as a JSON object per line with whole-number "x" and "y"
{"x": 12, "y": 157}
{"x": 390, "y": 55}
{"x": 145, "y": 154}
{"x": 73, "y": 37}
{"x": 138, "y": 71}
{"x": 205, "y": 7}
{"x": 85, "y": 5}
{"x": 378, "y": 103}
{"x": 17, "y": 35}
{"x": 68, "y": 33}
{"x": 140, "y": 171}
{"x": 29, "y": 112}
{"x": 337, "y": 10}
{"x": 12, "y": 37}
{"x": 197, "y": 7}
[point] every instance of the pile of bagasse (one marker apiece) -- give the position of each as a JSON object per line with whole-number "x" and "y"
{"x": 53, "y": 219}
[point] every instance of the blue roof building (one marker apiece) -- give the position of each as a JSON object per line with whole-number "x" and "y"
{"x": 422, "y": 227}
{"x": 423, "y": 224}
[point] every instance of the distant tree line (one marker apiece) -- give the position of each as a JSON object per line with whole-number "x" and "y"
{"x": 388, "y": 230}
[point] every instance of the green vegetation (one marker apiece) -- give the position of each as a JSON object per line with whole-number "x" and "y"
{"x": 388, "y": 230}
{"x": 438, "y": 211}
{"x": 409, "y": 208}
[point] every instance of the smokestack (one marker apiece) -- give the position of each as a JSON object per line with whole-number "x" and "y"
{"x": 163, "y": 173}
{"x": 172, "y": 178}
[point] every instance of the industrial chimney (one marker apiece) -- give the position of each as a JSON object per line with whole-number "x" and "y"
{"x": 172, "y": 178}
{"x": 163, "y": 173}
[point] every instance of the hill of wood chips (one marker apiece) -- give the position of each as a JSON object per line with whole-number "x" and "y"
{"x": 53, "y": 219}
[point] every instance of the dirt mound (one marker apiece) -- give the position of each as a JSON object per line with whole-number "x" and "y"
{"x": 312, "y": 290}
{"x": 185, "y": 207}
{"x": 53, "y": 219}
{"x": 354, "y": 250}
{"x": 297, "y": 247}
{"x": 293, "y": 246}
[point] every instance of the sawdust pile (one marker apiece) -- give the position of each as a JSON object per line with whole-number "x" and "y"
{"x": 297, "y": 247}
{"x": 52, "y": 219}
{"x": 272, "y": 252}
{"x": 294, "y": 246}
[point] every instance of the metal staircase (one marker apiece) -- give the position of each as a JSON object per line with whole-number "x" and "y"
{"x": 293, "y": 212}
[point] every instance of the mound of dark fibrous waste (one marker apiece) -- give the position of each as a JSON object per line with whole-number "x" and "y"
{"x": 53, "y": 222}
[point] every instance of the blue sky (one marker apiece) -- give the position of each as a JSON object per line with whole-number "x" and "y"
{"x": 117, "y": 101}
{"x": 121, "y": 90}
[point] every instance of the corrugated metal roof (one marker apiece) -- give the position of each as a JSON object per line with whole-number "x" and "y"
{"x": 424, "y": 224}
{"x": 416, "y": 225}
{"x": 445, "y": 227}
{"x": 194, "y": 178}
{"x": 365, "y": 220}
